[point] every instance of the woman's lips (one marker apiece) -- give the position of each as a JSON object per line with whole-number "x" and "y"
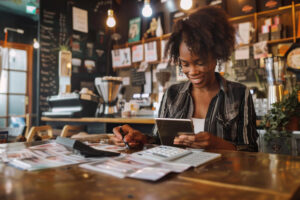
{"x": 196, "y": 80}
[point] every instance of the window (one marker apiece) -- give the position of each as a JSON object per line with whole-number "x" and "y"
{"x": 15, "y": 81}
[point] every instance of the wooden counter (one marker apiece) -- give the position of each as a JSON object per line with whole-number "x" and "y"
{"x": 133, "y": 120}
{"x": 236, "y": 175}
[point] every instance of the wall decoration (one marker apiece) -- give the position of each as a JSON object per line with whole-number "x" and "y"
{"x": 134, "y": 29}
{"x": 65, "y": 63}
{"x": 116, "y": 57}
{"x": 90, "y": 66}
{"x": 151, "y": 51}
{"x": 121, "y": 57}
{"x": 153, "y": 24}
{"x": 125, "y": 57}
{"x": 260, "y": 50}
{"x": 80, "y": 20}
{"x": 137, "y": 53}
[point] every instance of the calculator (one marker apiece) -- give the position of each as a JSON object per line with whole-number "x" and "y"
{"x": 177, "y": 155}
{"x": 163, "y": 153}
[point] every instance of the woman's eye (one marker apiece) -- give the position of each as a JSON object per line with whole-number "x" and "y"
{"x": 184, "y": 64}
{"x": 199, "y": 64}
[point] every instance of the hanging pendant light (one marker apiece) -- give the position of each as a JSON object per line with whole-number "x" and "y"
{"x": 110, "y": 22}
{"x": 186, "y": 4}
{"x": 147, "y": 10}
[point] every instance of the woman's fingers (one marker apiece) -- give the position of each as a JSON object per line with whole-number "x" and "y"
{"x": 117, "y": 141}
{"x": 117, "y": 132}
{"x": 187, "y": 137}
{"x": 201, "y": 140}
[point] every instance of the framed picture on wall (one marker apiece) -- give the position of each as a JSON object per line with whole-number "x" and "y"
{"x": 134, "y": 33}
{"x": 121, "y": 57}
{"x": 151, "y": 51}
{"x": 125, "y": 57}
{"x": 137, "y": 53}
{"x": 116, "y": 58}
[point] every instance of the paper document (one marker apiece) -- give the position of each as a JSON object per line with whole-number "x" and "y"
{"x": 198, "y": 125}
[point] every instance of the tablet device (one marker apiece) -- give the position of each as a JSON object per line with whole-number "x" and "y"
{"x": 168, "y": 128}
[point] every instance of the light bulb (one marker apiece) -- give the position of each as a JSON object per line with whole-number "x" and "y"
{"x": 110, "y": 22}
{"x": 36, "y": 44}
{"x": 147, "y": 10}
{"x": 186, "y": 4}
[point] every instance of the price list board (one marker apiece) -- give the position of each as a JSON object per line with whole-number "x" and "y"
{"x": 53, "y": 33}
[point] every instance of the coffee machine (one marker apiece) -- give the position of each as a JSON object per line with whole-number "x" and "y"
{"x": 108, "y": 88}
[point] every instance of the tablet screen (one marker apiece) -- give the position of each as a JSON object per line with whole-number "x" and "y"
{"x": 169, "y": 127}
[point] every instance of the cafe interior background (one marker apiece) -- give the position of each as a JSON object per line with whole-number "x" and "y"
{"x": 66, "y": 59}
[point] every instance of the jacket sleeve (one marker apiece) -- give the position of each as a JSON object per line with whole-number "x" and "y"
{"x": 249, "y": 131}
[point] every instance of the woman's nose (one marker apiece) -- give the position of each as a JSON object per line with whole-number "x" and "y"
{"x": 194, "y": 69}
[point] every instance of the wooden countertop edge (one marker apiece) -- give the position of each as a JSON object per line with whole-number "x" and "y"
{"x": 109, "y": 120}
{"x": 135, "y": 120}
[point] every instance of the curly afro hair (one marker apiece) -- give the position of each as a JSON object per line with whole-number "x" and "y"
{"x": 207, "y": 32}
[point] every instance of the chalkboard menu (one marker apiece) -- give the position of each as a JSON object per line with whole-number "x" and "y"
{"x": 53, "y": 31}
{"x": 89, "y": 49}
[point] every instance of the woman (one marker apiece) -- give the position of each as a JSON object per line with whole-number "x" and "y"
{"x": 197, "y": 44}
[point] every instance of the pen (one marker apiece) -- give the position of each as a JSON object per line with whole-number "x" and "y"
{"x": 123, "y": 135}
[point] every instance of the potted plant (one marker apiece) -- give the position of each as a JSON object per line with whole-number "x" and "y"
{"x": 279, "y": 123}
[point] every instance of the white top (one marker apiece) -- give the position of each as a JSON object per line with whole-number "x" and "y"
{"x": 198, "y": 124}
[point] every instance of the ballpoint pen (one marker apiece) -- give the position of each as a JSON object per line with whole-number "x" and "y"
{"x": 123, "y": 136}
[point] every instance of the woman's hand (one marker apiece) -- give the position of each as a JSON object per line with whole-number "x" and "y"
{"x": 203, "y": 140}
{"x": 125, "y": 133}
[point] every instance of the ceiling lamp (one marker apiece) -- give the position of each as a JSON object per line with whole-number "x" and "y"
{"x": 147, "y": 10}
{"x": 110, "y": 22}
{"x": 186, "y": 4}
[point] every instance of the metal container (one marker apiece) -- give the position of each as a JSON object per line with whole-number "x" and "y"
{"x": 108, "y": 88}
{"x": 275, "y": 94}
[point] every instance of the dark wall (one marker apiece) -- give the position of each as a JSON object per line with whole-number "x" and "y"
{"x": 56, "y": 30}
{"x": 15, "y": 21}
{"x": 133, "y": 8}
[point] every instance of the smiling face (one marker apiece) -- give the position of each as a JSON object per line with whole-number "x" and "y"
{"x": 201, "y": 74}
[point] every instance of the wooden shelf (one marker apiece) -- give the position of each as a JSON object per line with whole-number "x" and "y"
{"x": 289, "y": 39}
{"x": 267, "y": 12}
{"x": 129, "y": 44}
{"x": 241, "y": 17}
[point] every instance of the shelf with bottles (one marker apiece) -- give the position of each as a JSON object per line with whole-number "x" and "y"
{"x": 287, "y": 16}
